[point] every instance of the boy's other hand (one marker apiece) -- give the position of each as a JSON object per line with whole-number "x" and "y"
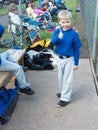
{"x": 75, "y": 67}
{"x": 60, "y": 34}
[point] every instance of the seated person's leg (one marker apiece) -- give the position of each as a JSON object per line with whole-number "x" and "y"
{"x": 8, "y": 65}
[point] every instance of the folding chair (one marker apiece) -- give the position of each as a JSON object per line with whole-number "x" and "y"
{"x": 29, "y": 34}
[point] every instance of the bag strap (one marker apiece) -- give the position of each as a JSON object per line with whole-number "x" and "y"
{"x": 44, "y": 43}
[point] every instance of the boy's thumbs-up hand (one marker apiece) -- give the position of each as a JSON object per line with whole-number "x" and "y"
{"x": 60, "y": 34}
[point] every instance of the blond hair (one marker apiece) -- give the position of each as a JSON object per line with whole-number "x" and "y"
{"x": 64, "y": 14}
{"x": 12, "y": 7}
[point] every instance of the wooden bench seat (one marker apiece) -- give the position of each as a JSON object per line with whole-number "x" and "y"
{"x": 5, "y": 76}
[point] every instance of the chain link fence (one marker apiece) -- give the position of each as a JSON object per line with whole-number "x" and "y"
{"x": 89, "y": 9}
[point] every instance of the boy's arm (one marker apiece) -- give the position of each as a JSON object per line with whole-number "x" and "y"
{"x": 77, "y": 45}
{"x": 76, "y": 56}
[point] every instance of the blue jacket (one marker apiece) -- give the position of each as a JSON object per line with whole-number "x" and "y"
{"x": 69, "y": 45}
{"x": 58, "y": 2}
{"x": 30, "y": 21}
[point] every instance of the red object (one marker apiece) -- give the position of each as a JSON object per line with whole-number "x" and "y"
{"x": 50, "y": 30}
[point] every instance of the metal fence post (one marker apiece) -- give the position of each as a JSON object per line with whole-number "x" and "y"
{"x": 21, "y": 30}
{"x": 95, "y": 53}
{"x": 95, "y": 30}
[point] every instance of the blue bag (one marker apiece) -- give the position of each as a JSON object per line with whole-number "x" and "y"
{"x": 8, "y": 101}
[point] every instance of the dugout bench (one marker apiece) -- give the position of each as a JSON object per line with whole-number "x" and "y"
{"x": 5, "y": 76}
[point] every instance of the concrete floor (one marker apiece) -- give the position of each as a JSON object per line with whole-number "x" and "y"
{"x": 39, "y": 112}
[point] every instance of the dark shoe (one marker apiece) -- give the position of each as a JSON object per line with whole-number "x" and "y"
{"x": 27, "y": 91}
{"x": 58, "y": 94}
{"x": 78, "y": 10}
{"x": 70, "y": 10}
{"x": 62, "y": 103}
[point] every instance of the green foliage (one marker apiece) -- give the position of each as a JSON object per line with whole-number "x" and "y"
{"x": 6, "y": 34}
{"x": 72, "y": 5}
{"x": 45, "y": 35}
{"x": 3, "y": 11}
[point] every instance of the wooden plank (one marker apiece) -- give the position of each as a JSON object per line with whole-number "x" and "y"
{"x": 17, "y": 54}
{"x": 5, "y": 76}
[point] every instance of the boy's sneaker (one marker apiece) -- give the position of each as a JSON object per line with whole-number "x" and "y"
{"x": 58, "y": 94}
{"x": 27, "y": 91}
{"x": 62, "y": 103}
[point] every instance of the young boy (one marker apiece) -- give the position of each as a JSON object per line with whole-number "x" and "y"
{"x": 67, "y": 43}
{"x": 7, "y": 63}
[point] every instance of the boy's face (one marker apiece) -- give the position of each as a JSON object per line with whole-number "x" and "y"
{"x": 65, "y": 23}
